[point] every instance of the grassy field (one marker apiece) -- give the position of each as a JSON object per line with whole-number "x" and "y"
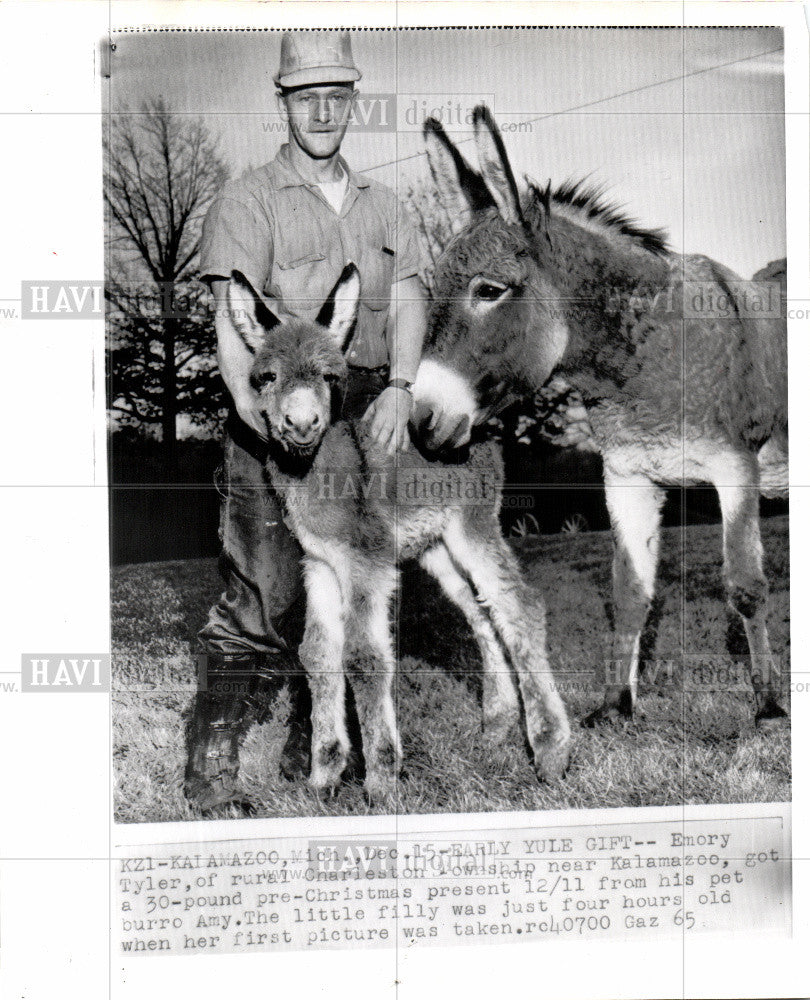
{"x": 681, "y": 748}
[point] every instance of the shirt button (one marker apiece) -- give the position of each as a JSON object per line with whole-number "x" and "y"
{"x": 353, "y": 354}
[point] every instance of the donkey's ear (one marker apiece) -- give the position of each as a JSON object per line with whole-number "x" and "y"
{"x": 537, "y": 212}
{"x": 339, "y": 312}
{"x": 251, "y": 317}
{"x": 494, "y": 165}
{"x": 461, "y": 189}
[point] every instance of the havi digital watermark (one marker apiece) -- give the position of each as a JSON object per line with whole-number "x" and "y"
{"x": 62, "y": 299}
{"x": 50, "y": 672}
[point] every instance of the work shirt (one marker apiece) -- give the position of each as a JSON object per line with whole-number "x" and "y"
{"x": 280, "y": 231}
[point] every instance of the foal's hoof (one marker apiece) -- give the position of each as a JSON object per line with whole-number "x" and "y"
{"x": 328, "y": 763}
{"x": 381, "y": 788}
{"x": 355, "y": 769}
{"x": 771, "y": 717}
{"x": 326, "y": 792}
{"x": 501, "y": 728}
{"x": 329, "y": 781}
{"x": 551, "y": 765}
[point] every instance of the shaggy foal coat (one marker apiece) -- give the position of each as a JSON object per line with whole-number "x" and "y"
{"x": 683, "y": 381}
{"x": 356, "y": 512}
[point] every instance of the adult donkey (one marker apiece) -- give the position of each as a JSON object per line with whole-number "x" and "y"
{"x": 357, "y": 511}
{"x": 559, "y": 281}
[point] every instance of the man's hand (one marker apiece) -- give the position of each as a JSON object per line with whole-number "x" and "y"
{"x": 247, "y": 406}
{"x": 443, "y": 431}
{"x": 235, "y": 362}
{"x": 387, "y": 418}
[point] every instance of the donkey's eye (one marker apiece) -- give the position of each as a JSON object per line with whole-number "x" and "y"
{"x": 331, "y": 378}
{"x": 489, "y": 291}
{"x": 264, "y": 378}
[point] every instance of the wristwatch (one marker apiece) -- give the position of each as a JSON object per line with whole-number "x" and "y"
{"x": 401, "y": 383}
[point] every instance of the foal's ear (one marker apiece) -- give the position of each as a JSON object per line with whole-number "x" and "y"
{"x": 461, "y": 190}
{"x": 494, "y": 165}
{"x": 251, "y": 317}
{"x": 339, "y": 312}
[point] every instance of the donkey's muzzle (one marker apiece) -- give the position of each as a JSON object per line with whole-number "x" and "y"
{"x": 301, "y": 431}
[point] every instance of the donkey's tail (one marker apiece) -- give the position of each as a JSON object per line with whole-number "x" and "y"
{"x": 773, "y": 467}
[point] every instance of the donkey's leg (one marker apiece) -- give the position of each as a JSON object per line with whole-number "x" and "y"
{"x": 321, "y": 653}
{"x": 634, "y": 504}
{"x": 500, "y": 698}
{"x": 520, "y": 619}
{"x": 737, "y": 484}
{"x": 371, "y": 660}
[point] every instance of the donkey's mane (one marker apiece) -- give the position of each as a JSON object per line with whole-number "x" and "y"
{"x": 587, "y": 204}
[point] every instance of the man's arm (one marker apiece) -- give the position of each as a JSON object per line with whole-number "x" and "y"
{"x": 390, "y": 412}
{"x": 235, "y": 361}
{"x": 406, "y": 333}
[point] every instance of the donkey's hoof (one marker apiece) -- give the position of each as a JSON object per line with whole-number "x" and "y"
{"x": 607, "y": 714}
{"x": 771, "y": 717}
{"x": 602, "y": 716}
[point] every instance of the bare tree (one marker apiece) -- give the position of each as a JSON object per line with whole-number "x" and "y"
{"x": 161, "y": 173}
{"x": 433, "y": 227}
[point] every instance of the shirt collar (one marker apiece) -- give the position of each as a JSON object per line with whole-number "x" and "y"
{"x": 289, "y": 176}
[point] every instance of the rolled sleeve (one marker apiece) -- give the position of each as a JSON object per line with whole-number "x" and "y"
{"x": 234, "y": 237}
{"x": 409, "y": 260}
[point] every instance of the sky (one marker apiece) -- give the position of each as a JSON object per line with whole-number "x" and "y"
{"x": 683, "y": 127}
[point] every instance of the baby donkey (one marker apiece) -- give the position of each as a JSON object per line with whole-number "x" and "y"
{"x": 357, "y": 512}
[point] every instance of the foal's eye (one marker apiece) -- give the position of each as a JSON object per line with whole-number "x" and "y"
{"x": 331, "y": 378}
{"x": 489, "y": 291}
{"x": 264, "y": 378}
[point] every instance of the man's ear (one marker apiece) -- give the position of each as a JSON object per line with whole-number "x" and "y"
{"x": 251, "y": 317}
{"x": 339, "y": 312}
{"x": 281, "y": 104}
{"x": 352, "y": 103}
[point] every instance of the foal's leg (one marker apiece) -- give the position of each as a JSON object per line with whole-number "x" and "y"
{"x": 737, "y": 484}
{"x": 520, "y": 619}
{"x": 321, "y": 653}
{"x": 634, "y": 504}
{"x": 371, "y": 660}
{"x": 500, "y": 699}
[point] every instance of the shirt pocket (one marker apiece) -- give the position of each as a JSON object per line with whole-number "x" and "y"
{"x": 377, "y": 268}
{"x": 309, "y": 258}
{"x": 301, "y": 283}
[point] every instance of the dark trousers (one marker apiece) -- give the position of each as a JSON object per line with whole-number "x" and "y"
{"x": 260, "y": 557}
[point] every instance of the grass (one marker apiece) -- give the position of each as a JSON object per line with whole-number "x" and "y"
{"x": 680, "y": 748}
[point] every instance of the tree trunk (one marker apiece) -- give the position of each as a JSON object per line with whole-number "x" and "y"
{"x": 169, "y": 399}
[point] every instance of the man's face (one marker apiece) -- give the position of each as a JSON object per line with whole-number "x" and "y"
{"x": 318, "y": 116}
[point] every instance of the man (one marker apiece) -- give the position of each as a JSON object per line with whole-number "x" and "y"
{"x": 290, "y": 227}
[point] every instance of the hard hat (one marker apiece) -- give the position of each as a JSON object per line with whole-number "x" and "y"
{"x": 312, "y": 57}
